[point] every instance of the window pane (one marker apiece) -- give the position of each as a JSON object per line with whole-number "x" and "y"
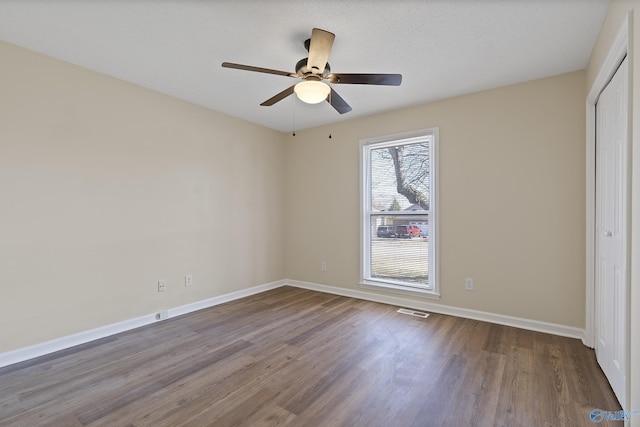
{"x": 399, "y": 248}
{"x": 407, "y": 165}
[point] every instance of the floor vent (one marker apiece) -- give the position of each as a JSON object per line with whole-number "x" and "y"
{"x": 413, "y": 313}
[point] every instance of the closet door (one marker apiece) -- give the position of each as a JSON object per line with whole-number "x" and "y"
{"x": 611, "y": 230}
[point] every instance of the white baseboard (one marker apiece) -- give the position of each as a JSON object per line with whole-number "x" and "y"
{"x": 210, "y": 302}
{"x": 47, "y": 347}
{"x": 500, "y": 319}
{"x": 26, "y": 353}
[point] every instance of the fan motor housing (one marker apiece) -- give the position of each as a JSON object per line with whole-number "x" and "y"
{"x": 304, "y": 71}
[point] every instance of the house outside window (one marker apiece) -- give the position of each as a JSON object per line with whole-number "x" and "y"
{"x": 399, "y": 213}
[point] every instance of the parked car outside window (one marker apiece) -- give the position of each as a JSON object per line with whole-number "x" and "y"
{"x": 407, "y": 231}
{"x": 424, "y": 229}
{"x": 386, "y": 231}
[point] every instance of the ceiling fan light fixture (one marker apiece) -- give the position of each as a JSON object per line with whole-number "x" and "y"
{"x": 312, "y": 91}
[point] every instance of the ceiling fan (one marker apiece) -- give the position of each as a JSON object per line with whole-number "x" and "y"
{"x": 315, "y": 70}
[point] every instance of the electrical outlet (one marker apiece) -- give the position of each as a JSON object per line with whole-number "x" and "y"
{"x": 468, "y": 284}
{"x": 162, "y": 285}
{"x": 323, "y": 266}
{"x": 188, "y": 280}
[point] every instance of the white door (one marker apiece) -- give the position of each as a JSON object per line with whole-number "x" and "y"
{"x": 611, "y": 230}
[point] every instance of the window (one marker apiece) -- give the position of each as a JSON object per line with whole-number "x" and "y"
{"x": 399, "y": 213}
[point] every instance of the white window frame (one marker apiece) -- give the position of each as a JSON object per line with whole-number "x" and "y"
{"x": 366, "y": 146}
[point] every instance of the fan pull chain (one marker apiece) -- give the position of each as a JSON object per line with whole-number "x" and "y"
{"x": 331, "y": 104}
{"x": 294, "y": 115}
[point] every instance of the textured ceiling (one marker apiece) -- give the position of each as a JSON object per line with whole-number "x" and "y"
{"x": 443, "y": 48}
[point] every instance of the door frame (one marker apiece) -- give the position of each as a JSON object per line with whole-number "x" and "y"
{"x": 614, "y": 58}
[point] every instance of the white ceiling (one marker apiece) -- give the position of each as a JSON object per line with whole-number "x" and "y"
{"x": 443, "y": 48}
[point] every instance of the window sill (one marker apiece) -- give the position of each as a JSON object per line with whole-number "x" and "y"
{"x": 397, "y": 289}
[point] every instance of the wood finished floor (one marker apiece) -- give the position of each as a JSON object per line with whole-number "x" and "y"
{"x": 293, "y": 357}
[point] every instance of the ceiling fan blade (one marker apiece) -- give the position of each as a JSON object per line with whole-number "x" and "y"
{"x": 279, "y": 97}
{"x": 366, "y": 79}
{"x": 319, "y": 48}
{"x": 338, "y": 103}
{"x": 258, "y": 69}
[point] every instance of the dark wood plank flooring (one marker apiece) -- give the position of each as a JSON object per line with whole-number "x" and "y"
{"x": 293, "y": 357}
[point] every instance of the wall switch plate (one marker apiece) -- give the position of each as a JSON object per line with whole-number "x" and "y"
{"x": 162, "y": 285}
{"x": 323, "y": 266}
{"x": 188, "y": 280}
{"x": 468, "y": 284}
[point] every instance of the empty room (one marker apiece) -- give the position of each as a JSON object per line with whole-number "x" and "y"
{"x": 319, "y": 213}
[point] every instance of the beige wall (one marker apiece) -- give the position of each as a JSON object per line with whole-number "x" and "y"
{"x": 618, "y": 12}
{"x": 107, "y": 187}
{"x": 511, "y": 198}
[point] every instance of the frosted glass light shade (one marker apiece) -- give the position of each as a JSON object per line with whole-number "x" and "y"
{"x": 311, "y": 91}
